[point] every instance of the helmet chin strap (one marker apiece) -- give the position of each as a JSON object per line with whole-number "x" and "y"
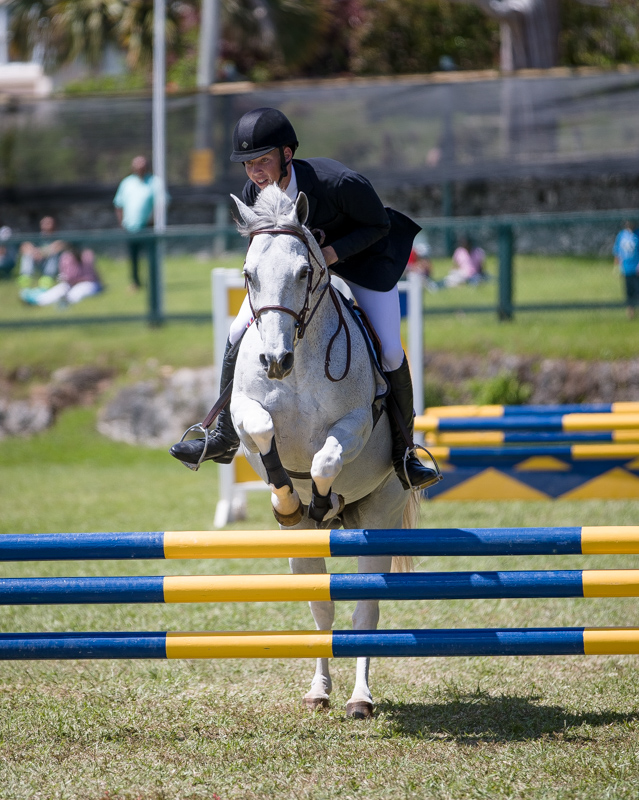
{"x": 283, "y": 165}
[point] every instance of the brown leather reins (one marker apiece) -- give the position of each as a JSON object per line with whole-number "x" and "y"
{"x": 306, "y": 314}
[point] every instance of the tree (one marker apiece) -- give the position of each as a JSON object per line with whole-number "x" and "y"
{"x": 599, "y": 36}
{"x": 411, "y": 36}
{"x": 268, "y": 39}
{"x": 529, "y": 31}
{"x": 63, "y": 30}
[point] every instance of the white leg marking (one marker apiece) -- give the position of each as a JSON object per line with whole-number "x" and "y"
{"x": 324, "y": 615}
{"x": 365, "y": 618}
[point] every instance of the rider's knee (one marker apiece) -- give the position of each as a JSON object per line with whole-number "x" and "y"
{"x": 392, "y": 357}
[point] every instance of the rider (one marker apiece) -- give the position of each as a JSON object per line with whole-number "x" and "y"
{"x": 364, "y": 243}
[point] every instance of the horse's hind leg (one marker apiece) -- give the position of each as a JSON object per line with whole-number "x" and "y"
{"x": 383, "y": 508}
{"x": 323, "y": 614}
{"x": 365, "y": 618}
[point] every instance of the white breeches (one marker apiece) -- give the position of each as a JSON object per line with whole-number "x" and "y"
{"x": 382, "y": 309}
{"x": 72, "y": 294}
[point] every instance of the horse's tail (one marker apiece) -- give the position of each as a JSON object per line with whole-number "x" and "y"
{"x": 409, "y": 520}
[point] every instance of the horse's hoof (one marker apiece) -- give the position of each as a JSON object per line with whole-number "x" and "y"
{"x": 288, "y": 520}
{"x": 359, "y": 709}
{"x": 315, "y": 703}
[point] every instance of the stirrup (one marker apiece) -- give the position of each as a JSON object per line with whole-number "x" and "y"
{"x": 205, "y": 431}
{"x": 412, "y": 451}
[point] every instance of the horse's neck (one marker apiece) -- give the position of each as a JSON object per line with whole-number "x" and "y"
{"x": 334, "y": 336}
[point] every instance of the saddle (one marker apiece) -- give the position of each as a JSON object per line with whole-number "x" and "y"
{"x": 374, "y": 347}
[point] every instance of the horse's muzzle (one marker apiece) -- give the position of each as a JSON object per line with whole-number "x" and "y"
{"x": 278, "y": 368}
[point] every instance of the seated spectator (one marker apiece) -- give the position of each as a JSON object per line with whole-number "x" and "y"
{"x": 626, "y": 253}
{"x": 40, "y": 262}
{"x": 468, "y": 265}
{"x": 78, "y": 278}
{"x": 7, "y": 253}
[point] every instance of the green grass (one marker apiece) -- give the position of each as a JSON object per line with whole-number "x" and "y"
{"x": 532, "y": 728}
{"x": 508, "y": 728}
{"x": 576, "y": 334}
{"x": 600, "y": 334}
{"x": 122, "y": 346}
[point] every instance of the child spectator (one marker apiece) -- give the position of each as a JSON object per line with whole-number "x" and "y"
{"x": 626, "y": 253}
{"x": 468, "y": 265}
{"x": 78, "y": 279}
{"x": 40, "y": 261}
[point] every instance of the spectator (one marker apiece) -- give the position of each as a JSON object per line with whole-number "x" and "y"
{"x": 133, "y": 203}
{"x": 40, "y": 261}
{"x": 419, "y": 262}
{"x": 468, "y": 265}
{"x": 78, "y": 279}
{"x": 626, "y": 253}
{"x": 7, "y": 253}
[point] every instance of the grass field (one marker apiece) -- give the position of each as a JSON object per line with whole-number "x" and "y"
{"x": 187, "y": 284}
{"x": 532, "y": 728}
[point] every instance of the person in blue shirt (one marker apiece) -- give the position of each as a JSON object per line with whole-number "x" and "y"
{"x": 133, "y": 203}
{"x": 626, "y": 253}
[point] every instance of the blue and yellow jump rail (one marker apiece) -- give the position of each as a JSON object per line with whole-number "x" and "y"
{"x": 286, "y": 588}
{"x": 532, "y": 410}
{"x": 323, "y": 644}
{"x": 567, "y": 452}
{"x": 548, "y": 423}
{"x": 514, "y": 454}
{"x": 496, "y": 438}
{"x": 586, "y": 540}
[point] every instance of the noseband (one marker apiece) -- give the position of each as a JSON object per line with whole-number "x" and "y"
{"x": 306, "y": 314}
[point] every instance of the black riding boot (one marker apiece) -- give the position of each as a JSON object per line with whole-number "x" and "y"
{"x": 223, "y": 441}
{"x": 419, "y": 476}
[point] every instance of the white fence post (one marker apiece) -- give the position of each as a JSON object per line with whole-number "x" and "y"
{"x": 231, "y": 505}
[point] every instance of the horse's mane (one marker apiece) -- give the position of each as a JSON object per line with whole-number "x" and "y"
{"x": 273, "y": 208}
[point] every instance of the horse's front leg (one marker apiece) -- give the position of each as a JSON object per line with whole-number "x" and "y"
{"x": 324, "y": 615}
{"x": 365, "y": 618}
{"x": 255, "y": 428}
{"x": 344, "y": 442}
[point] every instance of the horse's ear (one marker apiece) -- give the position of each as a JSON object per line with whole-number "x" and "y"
{"x": 301, "y": 208}
{"x": 247, "y": 214}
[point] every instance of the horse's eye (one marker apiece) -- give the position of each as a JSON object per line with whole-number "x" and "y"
{"x": 248, "y": 277}
{"x": 304, "y": 274}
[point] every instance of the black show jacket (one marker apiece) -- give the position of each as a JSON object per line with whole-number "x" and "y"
{"x": 372, "y": 243}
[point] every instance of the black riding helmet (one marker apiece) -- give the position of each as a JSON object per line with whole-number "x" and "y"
{"x": 260, "y": 131}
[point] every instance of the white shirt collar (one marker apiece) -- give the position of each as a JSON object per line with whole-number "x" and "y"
{"x": 292, "y": 190}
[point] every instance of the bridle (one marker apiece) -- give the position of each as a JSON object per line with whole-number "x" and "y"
{"x": 306, "y": 313}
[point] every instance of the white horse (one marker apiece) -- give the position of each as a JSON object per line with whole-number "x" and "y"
{"x": 304, "y": 392}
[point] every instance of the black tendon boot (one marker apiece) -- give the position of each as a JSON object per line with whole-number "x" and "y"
{"x": 223, "y": 441}
{"x": 406, "y": 466}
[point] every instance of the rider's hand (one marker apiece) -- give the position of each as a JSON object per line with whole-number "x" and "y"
{"x": 330, "y": 256}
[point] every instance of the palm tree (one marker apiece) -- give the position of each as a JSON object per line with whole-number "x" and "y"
{"x": 68, "y": 29}
{"x": 29, "y": 26}
{"x": 84, "y": 28}
{"x": 135, "y": 29}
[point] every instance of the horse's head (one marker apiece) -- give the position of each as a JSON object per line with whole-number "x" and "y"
{"x": 282, "y": 269}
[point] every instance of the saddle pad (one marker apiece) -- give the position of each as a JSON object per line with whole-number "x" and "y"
{"x": 373, "y": 345}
